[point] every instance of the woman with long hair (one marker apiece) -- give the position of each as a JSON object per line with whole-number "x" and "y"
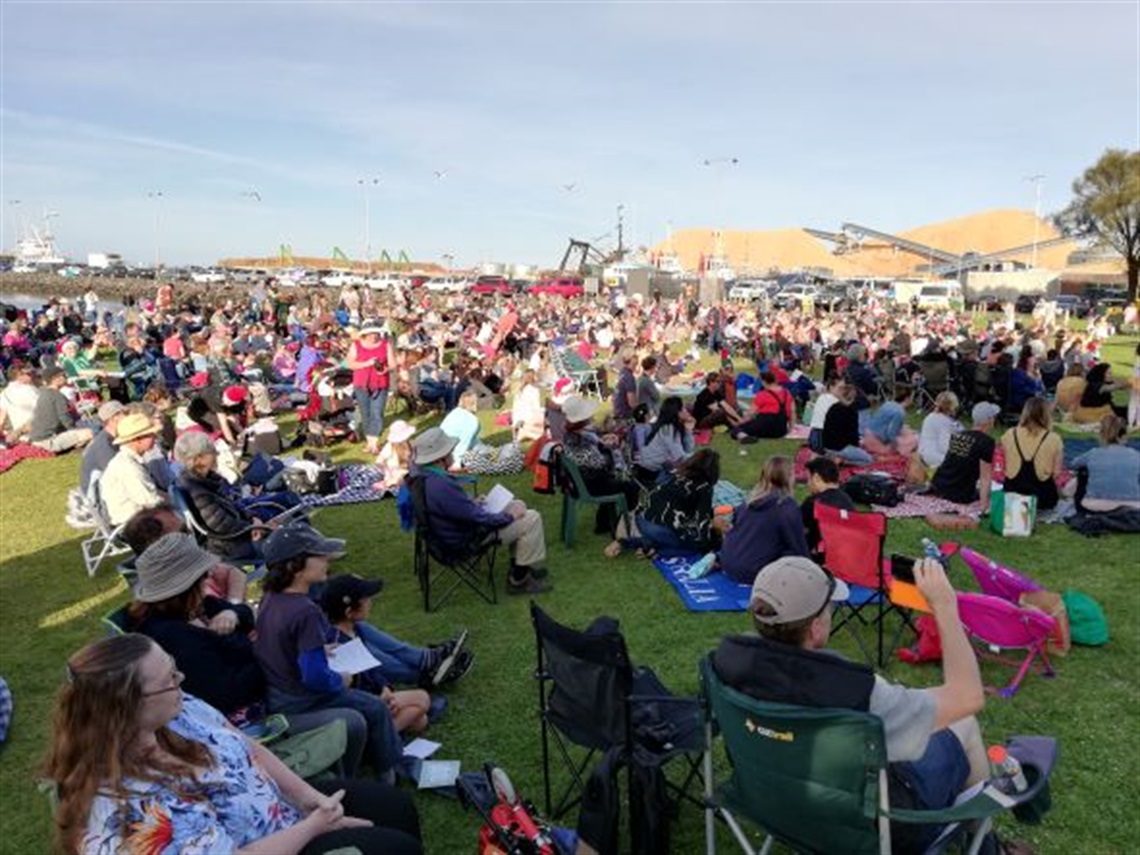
{"x": 677, "y": 515}
{"x": 937, "y": 430}
{"x": 139, "y": 766}
{"x": 1034, "y": 455}
{"x": 669, "y": 440}
{"x": 768, "y": 526}
{"x": 1096, "y": 399}
{"x": 1108, "y": 477}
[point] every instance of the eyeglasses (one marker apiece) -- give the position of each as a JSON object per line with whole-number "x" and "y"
{"x": 176, "y": 678}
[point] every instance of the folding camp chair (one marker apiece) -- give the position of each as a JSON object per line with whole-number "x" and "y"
{"x": 816, "y": 779}
{"x": 185, "y": 508}
{"x": 115, "y": 621}
{"x": 852, "y": 545}
{"x": 575, "y": 492}
{"x": 569, "y": 364}
{"x": 473, "y": 566}
{"x": 997, "y": 620}
{"x": 104, "y": 541}
{"x": 591, "y": 696}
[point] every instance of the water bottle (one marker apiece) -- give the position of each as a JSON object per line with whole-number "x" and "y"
{"x": 930, "y": 550}
{"x": 1008, "y": 776}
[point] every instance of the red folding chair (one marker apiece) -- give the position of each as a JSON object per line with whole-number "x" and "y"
{"x": 1001, "y": 625}
{"x": 852, "y": 545}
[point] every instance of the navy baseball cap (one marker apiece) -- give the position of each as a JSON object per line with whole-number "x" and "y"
{"x": 299, "y": 538}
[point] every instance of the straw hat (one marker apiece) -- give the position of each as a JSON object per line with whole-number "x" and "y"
{"x": 432, "y": 445}
{"x": 170, "y": 566}
{"x": 372, "y": 327}
{"x": 578, "y": 409}
{"x": 134, "y": 426}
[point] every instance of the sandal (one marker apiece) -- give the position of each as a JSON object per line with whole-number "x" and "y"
{"x": 647, "y": 552}
{"x": 613, "y": 549}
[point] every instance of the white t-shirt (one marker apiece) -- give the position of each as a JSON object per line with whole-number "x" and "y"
{"x": 934, "y": 440}
{"x": 819, "y": 411}
{"x": 19, "y": 402}
{"x": 908, "y": 718}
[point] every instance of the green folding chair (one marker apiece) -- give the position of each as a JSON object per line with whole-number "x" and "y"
{"x": 816, "y": 779}
{"x": 575, "y": 492}
{"x": 115, "y": 621}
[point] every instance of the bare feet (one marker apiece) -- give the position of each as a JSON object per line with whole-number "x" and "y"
{"x": 613, "y": 549}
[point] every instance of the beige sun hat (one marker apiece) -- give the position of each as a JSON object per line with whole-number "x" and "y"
{"x": 432, "y": 445}
{"x": 134, "y": 426}
{"x": 578, "y": 409}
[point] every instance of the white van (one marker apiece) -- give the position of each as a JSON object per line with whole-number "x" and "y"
{"x": 945, "y": 295}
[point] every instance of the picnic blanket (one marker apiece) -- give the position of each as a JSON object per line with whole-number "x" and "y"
{"x": 712, "y": 593}
{"x": 893, "y": 466}
{"x": 727, "y": 493}
{"x": 357, "y": 480}
{"x": 1076, "y": 446}
{"x": 9, "y": 457}
{"x": 924, "y": 504}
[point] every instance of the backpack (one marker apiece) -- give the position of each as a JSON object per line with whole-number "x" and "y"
{"x": 1087, "y": 623}
{"x": 546, "y": 469}
{"x": 869, "y": 488}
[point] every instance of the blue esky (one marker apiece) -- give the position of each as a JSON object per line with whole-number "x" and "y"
{"x": 886, "y": 114}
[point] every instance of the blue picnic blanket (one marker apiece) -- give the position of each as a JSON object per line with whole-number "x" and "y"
{"x": 727, "y": 493}
{"x": 712, "y": 593}
{"x": 1076, "y": 446}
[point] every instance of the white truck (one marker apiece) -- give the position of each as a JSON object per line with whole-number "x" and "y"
{"x": 103, "y": 260}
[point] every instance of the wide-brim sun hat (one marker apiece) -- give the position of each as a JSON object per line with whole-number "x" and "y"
{"x": 432, "y": 445}
{"x": 170, "y": 566}
{"x": 134, "y": 426}
{"x": 578, "y": 409}
{"x": 401, "y": 431}
{"x": 372, "y": 327}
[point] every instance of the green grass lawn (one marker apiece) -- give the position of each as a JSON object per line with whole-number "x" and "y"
{"x": 49, "y": 608}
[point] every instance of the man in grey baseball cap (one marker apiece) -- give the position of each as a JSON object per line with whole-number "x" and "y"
{"x": 933, "y": 741}
{"x": 102, "y": 448}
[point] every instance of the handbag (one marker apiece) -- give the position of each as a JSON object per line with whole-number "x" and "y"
{"x": 1012, "y": 514}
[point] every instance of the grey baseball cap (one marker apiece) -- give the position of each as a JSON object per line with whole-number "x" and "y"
{"x": 796, "y": 588}
{"x": 299, "y": 538}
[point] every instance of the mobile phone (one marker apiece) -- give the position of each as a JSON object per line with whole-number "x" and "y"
{"x": 902, "y": 568}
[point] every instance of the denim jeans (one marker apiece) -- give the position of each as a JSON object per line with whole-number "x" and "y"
{"x": 371, "y": 404}
{"x": 382, "y": 742}
{"x": 660, "y": 538}
{"x": 400, "y": 662}
{"x": 853, "y": 454}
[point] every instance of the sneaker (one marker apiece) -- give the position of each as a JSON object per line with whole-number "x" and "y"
{"x": 437, "y": 708}
{"x": 451, "y": 645}
{"x": 459, "y": 669}
{"x": 529, "y": 585}
{"x": 746, "y": 438}
{"x": 76, "y": 521}
{"x": 534, "y": 572}
{"x": 448, "y": 660}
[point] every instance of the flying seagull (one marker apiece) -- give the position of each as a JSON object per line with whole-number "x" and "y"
{"x": 440, "y": 174}
{"x": 252, "y": 194}
{"x": 569, "y": 188}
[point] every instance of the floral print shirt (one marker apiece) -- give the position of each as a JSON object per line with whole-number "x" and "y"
{"x": 231, "y": 805}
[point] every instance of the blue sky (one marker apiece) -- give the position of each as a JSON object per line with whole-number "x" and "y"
{"x": 890, "y": 115}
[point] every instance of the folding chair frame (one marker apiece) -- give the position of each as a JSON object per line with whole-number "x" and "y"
{"x": 103, "y": 543}
{"x": 571, "y": 796}
{"x": 863, "y": 596}
{"x": 475, "y": 570}
{"x": 574, "y": 491}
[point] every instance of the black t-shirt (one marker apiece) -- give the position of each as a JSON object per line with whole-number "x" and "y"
{"x": 957, "y": 477}
{"x": 703, "y": 405}
{"x": 841, "y": 427}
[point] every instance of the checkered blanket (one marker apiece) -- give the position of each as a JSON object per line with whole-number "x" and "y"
{"x": 357, "y": 480}
{"x": 9, "y": 457}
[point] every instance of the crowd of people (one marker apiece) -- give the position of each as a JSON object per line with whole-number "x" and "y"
{"x": 169, "y": 403}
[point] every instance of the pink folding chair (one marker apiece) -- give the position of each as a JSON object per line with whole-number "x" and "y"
{"x": 999, "y": 624}
{"x": 996, "y": 579}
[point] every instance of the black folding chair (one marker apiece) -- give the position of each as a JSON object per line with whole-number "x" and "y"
{"x": 473, "y": 565}
{"x": 591, "y": 696}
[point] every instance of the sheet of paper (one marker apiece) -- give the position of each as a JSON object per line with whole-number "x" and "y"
{"x": 352, "y": 658}
{"x": 421, "y": 748}
{"x": 497, "y": 500}
{"x": 438, "y": 773}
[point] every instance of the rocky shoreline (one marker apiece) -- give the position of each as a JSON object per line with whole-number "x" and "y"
{"x": 53, "y": 285}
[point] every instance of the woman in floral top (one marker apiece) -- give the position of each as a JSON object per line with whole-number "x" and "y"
{"x": 143, "y": 769}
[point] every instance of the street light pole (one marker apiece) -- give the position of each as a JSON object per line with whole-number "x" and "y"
{"x": 157, "y": 196}
{"x": 720, "y": 164}
{"x": 366, "y": 184}
{"x": 15, "y": 226}
{"x": 1038, "y": 182}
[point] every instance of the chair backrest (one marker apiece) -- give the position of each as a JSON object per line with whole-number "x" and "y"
{"x": 95, "y": 506}
{"x": 115, "y": 622}
{"x": 417, "y": 486}
{"x": 811, "y": 777}
{"x": 591, "y": 676}
{"x": 996, "y": 579}
{"x": 852, "y": 544}
{"x": 572, "y": 482}
{"x": 184, "y": 505}
{"x": 1001, "y": 623}
{"x": 936, "y": 373}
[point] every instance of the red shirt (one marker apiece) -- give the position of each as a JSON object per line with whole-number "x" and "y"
{"x": 769, "y": 401}
{"x": 370, "y": 378}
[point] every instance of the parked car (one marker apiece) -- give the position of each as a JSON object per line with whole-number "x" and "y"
{"x": 563, "y": 286}
{"x": 213, "y": 276}
{"x": 987, "y": 303}
{"x": 940, "y": 297}
{"x": 835, "y": 298}
{"x": 341, "y": 278}
{"x": 450, "y": 284}
{"x": 795, "y": 294}
{"x": 385, "y": 282}
{"x": 492, "y": 285}
{"x": 746, "y": 291}
{"x": 1026, "y": 303}
{"x": 1075, "y": 305}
